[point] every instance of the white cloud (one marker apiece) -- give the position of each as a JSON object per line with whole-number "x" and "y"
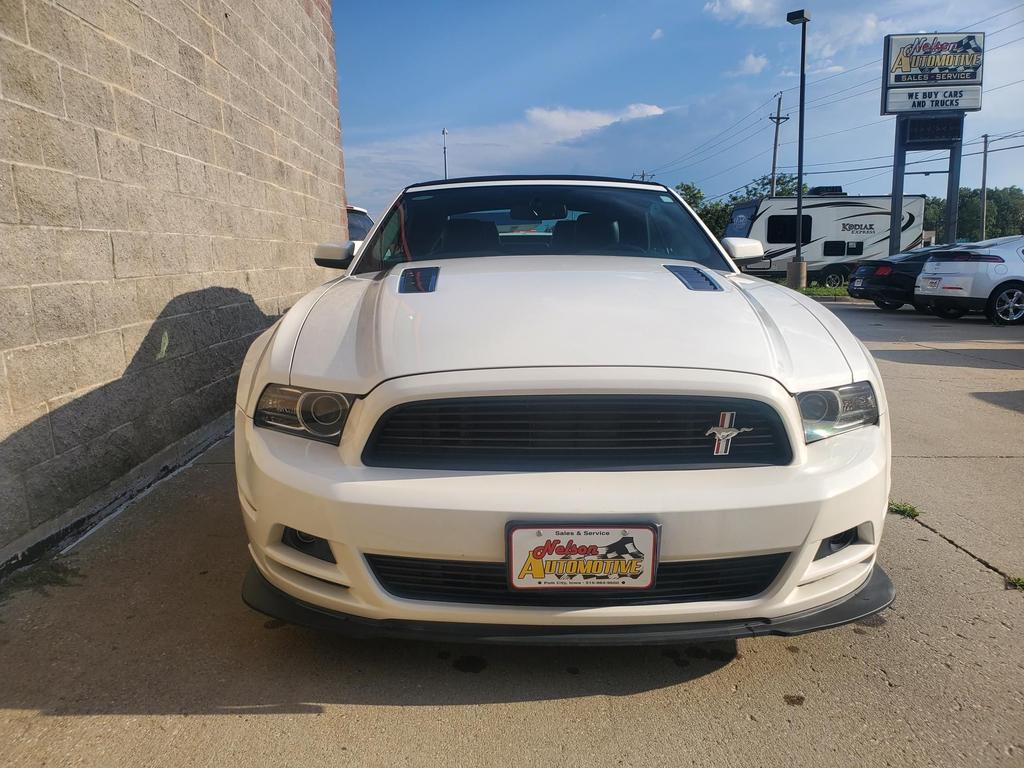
{"x": 827, "y": 68}
{"x": 657, "y": 34}
{"x": 761, "y": 12}
{"x": 843, "y": 32}
{"x": 563, "y": 124}
{"x": 752, "y": 64}
{"x": 376, "y": 171}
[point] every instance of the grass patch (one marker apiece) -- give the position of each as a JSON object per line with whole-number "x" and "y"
{"x": 818, "y": 290}
{"x": 1015, "y": 582}
{"x": 903, "y": 509}
{"x": 821, "y": 290}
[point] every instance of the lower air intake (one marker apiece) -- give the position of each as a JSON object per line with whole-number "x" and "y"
{"x": 689, "y": 581}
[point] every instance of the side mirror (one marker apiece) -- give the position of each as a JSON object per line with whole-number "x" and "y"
{"x": 743, "y": 250}
{"x": 335, "y": 255}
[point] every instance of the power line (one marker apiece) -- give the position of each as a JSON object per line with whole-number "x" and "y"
{"x": 741, "y": 139}
{"x": 1003, "y": 29}
{"x": 1005, "y": 85}
{"x": 687, "y": 154}
{"x": 912, "y": 162}
{"x": 737, "y": 132}
{"x": 886, "y": 168}
{"x": 1003, "y": 45}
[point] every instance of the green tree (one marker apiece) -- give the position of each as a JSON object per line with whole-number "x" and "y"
{"x": 1005, "y": 214}
{"x": 691, "y": 193}
{"x": 785, "y": 186}
{"x": 716, "y": 215}
{"x": 934, "y": 214}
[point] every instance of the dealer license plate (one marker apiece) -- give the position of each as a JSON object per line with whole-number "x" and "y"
{"x": 581, "y": 556}
{"x": 933, "y": 282}
{"x": 858, "y": 283}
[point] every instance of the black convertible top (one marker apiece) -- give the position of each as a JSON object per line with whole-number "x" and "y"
{"x": 549, "y": 177}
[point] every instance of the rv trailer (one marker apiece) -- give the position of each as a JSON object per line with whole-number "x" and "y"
{"x": 838, "y": 232}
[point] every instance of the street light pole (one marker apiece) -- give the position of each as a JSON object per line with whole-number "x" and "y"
{"x": 444, "y": 149}
{"x": 796, "y": 270}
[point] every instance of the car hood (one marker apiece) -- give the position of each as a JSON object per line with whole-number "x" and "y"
{"x": 524, "y": 311}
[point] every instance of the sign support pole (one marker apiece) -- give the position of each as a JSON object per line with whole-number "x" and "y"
{"x": 953, "y": 191}
{"x": 984, "y": 185}
{"x": 899, "y": 166}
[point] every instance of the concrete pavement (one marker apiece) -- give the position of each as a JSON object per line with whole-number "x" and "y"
{"x": 135, "y": 648}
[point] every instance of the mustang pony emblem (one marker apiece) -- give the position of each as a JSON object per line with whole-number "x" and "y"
{"x": 725, "y": 432}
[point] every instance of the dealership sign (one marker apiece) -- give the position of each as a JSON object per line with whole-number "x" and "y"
{"x": 932, "y": 73}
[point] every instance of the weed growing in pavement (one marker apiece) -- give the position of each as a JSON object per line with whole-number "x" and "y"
{"x": 39, "y": 576}
{"x": 1015, "y": 582}
{"x": 903, "y": 509}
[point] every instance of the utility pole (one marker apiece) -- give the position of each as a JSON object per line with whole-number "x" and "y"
{"x": 777, "y": 118}
{"x": 984, "y": 183}
{"x": 444, "y": 149}
{"x": 643, "y": 175}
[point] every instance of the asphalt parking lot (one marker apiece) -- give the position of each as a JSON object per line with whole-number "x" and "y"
{"x": 134, "y": 648}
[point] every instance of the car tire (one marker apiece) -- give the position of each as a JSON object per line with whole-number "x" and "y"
{"x": 1006, "y": 304}
{"x": 833, "y": 277}
{"x": 888, "y": 306}
{"x": 948, "y": 313}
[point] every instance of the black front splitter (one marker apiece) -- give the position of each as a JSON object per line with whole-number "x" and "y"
{"x": 876, "y": 594}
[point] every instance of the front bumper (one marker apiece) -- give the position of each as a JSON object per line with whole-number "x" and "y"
{"x": 831, "y": 486}
{"x": 876, "y": 594}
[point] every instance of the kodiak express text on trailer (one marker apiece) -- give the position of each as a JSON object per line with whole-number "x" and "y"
{"x": 839, "y": 230}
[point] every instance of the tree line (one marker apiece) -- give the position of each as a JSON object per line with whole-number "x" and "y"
{"x": 1004, "y": 214}
{"x": 1005, "y": 207}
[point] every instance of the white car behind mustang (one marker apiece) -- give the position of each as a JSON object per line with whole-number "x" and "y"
{"x": 551, "y": 410}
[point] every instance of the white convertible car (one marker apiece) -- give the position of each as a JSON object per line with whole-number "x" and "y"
{"x": 552, "y": 410}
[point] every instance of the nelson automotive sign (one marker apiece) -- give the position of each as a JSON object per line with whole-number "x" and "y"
{"x": 932, "y": 73}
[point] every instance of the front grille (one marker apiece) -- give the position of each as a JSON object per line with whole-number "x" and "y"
{"x": 577, "y": 432}
{"x": 689, "y": 581}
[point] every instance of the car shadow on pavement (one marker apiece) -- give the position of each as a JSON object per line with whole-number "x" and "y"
{"x": 1011, "y": 400}
{"x": 995, "y": 358}
{"x": 145, "y": 617}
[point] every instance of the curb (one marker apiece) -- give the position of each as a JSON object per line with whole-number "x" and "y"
{"x": 838, "y": 300}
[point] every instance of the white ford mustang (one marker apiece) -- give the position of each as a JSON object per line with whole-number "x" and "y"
{"x": 551, "y": 410}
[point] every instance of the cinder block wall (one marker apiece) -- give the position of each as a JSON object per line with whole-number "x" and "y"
{"x": 166, "y": 167}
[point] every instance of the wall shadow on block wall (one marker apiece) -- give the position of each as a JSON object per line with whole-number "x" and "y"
{"x": 181, "y": 375}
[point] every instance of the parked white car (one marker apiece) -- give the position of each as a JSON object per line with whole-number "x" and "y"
{"x": 551, "y": 410}
{"x": 981, "y": 277}
{"x": 359, "y": 224}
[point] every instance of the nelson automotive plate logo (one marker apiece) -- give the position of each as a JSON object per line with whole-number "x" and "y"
{"x": 928, "y": 59}
{"x": 583, "y": 557}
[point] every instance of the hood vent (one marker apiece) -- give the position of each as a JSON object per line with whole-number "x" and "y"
{"x": 693, "y": 278}
{"x": 418, "y": 280}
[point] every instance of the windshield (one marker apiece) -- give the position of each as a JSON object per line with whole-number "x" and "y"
{"x": 359, "y": 225}
{"x": 542, "y": 219}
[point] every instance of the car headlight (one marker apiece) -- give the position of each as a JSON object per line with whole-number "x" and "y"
{"x": 828, "y": 412}
{"x": 310, "y": 413}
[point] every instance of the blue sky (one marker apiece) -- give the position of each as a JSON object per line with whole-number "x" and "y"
{"x": 611, "y": 88}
